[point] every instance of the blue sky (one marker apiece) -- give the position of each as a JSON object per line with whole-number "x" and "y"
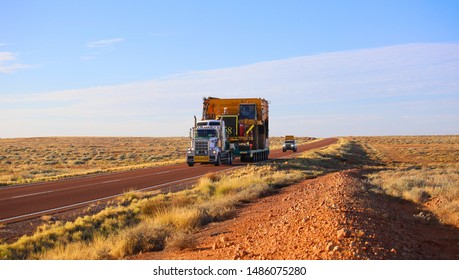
{"x": 141, "y": 68}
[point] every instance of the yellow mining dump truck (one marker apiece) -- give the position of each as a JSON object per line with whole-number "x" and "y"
{"x": 229, "y": 128}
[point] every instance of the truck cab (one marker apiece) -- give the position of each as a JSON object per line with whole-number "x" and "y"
{"x": 208, "y": 143}
{"x": 289, "y": 143}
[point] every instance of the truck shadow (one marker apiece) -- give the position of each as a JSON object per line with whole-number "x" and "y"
{"x": 396, "y": 228}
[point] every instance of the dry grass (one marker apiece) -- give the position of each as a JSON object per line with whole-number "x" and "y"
{"x": 181, "y": 241}
{"x": 422, "y": 169}
{"x": 26, "y": 160}
{"x": 408, "y": 151}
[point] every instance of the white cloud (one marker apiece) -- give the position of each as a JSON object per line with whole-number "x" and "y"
{"x": 97, "y": 48}
{"x": 104, "y": 43}
{"x": 407, "y": 89}
{"x": 8, "y": 63}
{"x": 6, "y": 56}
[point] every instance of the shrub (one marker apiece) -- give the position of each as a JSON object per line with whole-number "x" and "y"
{"x": 181, "y": 240}
{"x": 182, "y": 218}
{"x": 141, "y": 238}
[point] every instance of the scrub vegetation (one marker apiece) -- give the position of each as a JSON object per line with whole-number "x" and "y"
{"x": 28, "y": 160}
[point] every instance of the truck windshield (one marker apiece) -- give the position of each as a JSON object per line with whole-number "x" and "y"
{"x": 289, "y": 141}
{"x": 206, "y": 133}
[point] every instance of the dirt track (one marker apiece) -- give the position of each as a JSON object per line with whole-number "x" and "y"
{"x": 330, "y": 217}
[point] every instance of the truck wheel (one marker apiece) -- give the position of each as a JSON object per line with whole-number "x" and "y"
{"x": 230, "y": 159}
{"x": 218, "y": 162}
{"x": 284, "y": 150}
{"x": 190, "y": 164}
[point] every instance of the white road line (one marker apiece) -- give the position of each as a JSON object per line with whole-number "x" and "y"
{"x": 111, "y": 181}
{"x": 31, "y": 194}
{"x": 164, "y": 172}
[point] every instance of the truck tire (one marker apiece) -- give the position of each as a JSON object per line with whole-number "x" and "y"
{"x": 218, "y": 162}
{"x": 190, "y": 164}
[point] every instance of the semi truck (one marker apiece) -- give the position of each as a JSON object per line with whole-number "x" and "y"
{"x": 289, "y": 143}
{"x": 230, "y": 128}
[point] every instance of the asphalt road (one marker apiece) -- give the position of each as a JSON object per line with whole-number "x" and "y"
{"x": 29, "y": 201}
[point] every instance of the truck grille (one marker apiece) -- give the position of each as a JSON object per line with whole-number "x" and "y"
{"x": 202, "y": 148}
